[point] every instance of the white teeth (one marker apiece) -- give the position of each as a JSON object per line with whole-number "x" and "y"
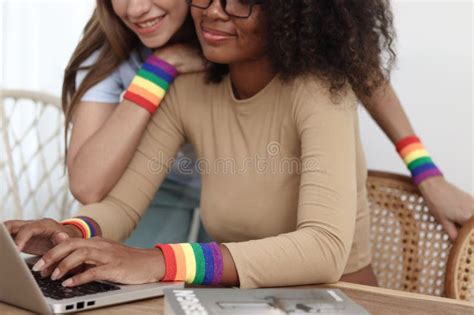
{"x": 149, "y": 23}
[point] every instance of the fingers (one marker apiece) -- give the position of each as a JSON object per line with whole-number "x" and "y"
{"x": 25, "y": 233}
{"x": 29, "y": 229}
{"x": 13, "y": 226}
{"x": 92, "y": 274}
{"x": 468, "y": 209}
{"x": 48, "y": 271}
{"x": 65, "y": 248}
{"x": 450, "y": 228}
{"x": 75, "y": 259}
{"x": 58, "y": 252}
{"x": 60, "y": 237}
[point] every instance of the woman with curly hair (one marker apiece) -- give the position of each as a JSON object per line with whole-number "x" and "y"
{"x": 276, "y": 131}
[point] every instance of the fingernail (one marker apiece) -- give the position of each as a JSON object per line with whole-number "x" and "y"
{"x": 55, "y": 274}
{"x": 38, "y": 265}
{"x": 67, "y": 283}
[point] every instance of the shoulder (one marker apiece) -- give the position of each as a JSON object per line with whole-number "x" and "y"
{"x": 311, "y": 88}
{"x": 110, "y": 88}
{"x": 85, "y": 67}
{"x": 312, "y": 94}
{"x": 190, "y": 96}
{"x": 88, "y": 64}
{"x": 191, "y": 80}
{"x": 124, "y": 72}
{"x": 91, "y": 60}
{"x": 191, "y": 87}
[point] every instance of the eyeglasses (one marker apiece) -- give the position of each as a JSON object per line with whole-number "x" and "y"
{"x": 241, "y": 9}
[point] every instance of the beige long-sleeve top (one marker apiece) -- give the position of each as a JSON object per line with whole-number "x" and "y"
{"x": 283, "y": 177}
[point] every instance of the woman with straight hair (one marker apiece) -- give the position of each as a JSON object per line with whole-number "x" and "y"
{"x": 106, "y": 130}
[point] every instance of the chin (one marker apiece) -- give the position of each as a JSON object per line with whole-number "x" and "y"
{"x": 154, "y": 42}
{"x": 217, "y": 55}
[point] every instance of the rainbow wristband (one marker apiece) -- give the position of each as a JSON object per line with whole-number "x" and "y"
{"x": 149, "y": 86}
{"x": 84, "y": 224}
{"x": 417, "y": 159}
{"x": 196, "y": 263}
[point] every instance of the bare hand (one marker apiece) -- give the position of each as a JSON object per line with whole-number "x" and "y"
{"x": 185, "y": 58}
{"x": 447, "y": 203}
{"x": 105, "y": 260}
{"x": 36, "y": 237}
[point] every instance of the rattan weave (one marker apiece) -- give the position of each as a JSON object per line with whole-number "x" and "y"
{"x": 460, "y": 271}
{"x": 409, "y": 247}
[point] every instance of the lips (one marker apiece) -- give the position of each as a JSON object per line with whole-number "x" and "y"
{"x": 149, "y": 23}
{"x": 148, "y": 26}
{"x": 215, "y": 35}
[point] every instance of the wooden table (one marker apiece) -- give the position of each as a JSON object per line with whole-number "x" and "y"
{"x": 375, "y": 300}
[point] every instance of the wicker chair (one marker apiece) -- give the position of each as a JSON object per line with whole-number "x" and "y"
{"x": 32, "y": 156}
{"x": 460, "y": 270}
{"x": 410, "y": 250}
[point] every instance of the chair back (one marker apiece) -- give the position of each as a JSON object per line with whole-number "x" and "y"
{"x": 32, "y": 169}
{"x": 409, "y": 247}
{"x": 460, "y": 271}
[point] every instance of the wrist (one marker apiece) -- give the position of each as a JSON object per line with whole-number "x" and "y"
{"x": 417, "y": 159}
{"x": 157, "y": 260}
{"x": 168, "y": 57}
{"x": 87, "y": 226}
{"x": 73, "y": 231}
{"x": 151, "y": 83}
{"x": 196, "y": 263}
{"x": 430, "y": 183}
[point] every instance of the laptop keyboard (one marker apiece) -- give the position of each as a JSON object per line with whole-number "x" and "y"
{"x": 54, "y": 289}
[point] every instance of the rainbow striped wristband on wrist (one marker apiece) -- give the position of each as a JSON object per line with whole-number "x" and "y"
{"x": 196, "y": 263}
{"x": 84, "y": 224}
{"x": 151, "y": 83}
{"x": 417, "y": 159}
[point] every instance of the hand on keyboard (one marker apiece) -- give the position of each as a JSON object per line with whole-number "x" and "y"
{"x": 54, "y": 289}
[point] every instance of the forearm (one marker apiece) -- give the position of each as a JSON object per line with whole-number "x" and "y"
{"x": 385, "y": 108}
{"x": 288, "y": 259}
{"x": 112, "y": 219}
{"x": 387, "y": 111}
{"x": 118, "y": 213}
{"x": 103, "y": 158}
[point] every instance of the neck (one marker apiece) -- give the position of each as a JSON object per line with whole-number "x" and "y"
{"x": 250, "y": 77}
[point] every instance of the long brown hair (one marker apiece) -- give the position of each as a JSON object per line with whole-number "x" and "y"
{"x": 106, "y": 33}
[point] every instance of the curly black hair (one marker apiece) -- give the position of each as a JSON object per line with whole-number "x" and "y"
{"x": 340, "y": 41}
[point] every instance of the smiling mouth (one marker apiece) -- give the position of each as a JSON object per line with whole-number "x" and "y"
{"x": 149, "y": 23}
{"x": 215, "y": 35}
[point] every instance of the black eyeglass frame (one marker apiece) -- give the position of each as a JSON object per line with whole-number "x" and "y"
{"x": 224, "y": 7}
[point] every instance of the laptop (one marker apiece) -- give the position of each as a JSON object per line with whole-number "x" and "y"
{"x": 22, "y": 287}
